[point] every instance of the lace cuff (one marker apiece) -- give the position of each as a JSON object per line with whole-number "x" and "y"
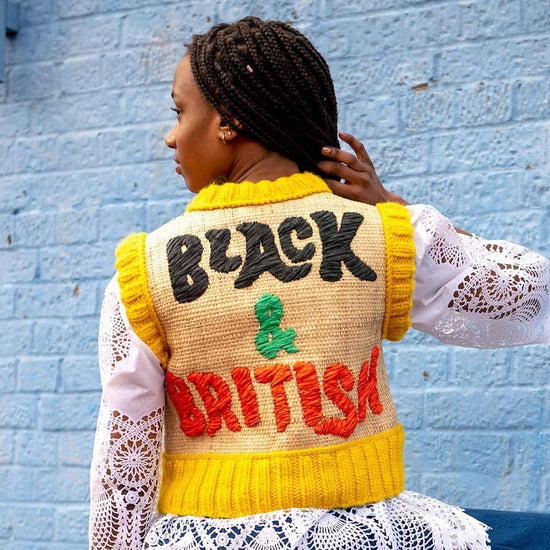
{"x": 125, "y": 465}
{"x": 474, "y": 292}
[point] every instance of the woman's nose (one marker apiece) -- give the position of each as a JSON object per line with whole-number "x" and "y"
{"x": 170, "y": 138}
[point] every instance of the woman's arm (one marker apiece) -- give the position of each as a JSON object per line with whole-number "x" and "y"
{"x": 125, "y": 465}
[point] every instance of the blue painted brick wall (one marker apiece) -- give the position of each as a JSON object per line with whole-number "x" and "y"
{"x": 453, "y": 100}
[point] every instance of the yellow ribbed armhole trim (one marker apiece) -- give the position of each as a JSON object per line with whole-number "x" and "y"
{"x": 398, "y": 233}
{"x": 135, "y": 296}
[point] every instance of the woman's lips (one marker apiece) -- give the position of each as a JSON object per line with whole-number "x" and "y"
{"x": 178, "y": 169}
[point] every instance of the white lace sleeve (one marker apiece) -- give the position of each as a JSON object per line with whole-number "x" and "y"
{"x": 125, "y": 465}
{"x": 474, "y": 292}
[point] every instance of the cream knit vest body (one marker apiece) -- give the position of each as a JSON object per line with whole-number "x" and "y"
{"x": 268, "y": 310}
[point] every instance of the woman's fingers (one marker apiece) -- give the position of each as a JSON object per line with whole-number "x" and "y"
{"x": 343, "y": 156}
{"x": 357, "y": 146}
{"x": 340, "y": 170}
{"x": 342, "y": 189}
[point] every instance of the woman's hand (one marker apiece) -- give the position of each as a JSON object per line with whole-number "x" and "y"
{"x": 361, "y": 182}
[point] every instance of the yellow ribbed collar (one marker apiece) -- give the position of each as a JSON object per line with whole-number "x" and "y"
{"x": 246, "y": 193}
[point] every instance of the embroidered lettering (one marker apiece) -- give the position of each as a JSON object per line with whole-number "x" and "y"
{"x": 303, "y": 231}
{"x": 367, "y": 389}
{"x": 219, "y": 243}
{"x": 191, "y": 418}
{"x": 247, "y": 395}
{"x": 336, "y": 375}
{"x": 337, "y": 246}
{"x": 185, "y": 265}
{"x": 309, "y": 392}
{"x": 276, "y": 376}
{"x": 271, "y": 338}
{"x": 262, "y": 255}
{"x": 216, "y": 408}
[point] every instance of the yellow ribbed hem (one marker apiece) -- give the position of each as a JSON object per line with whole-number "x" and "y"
{"x": 398, "y": 233}
{"x": 135, "y": 296}
{"x": 246, "y": 193}
{"x": 234, "y": 485}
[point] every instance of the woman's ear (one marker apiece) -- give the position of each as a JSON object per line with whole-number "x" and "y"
{"x": 227, "y": 133}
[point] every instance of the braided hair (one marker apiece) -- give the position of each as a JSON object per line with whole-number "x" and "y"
{"x": 269, "y": 78}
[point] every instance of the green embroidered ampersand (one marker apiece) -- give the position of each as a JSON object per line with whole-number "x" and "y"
{"x": 271, "y": 339}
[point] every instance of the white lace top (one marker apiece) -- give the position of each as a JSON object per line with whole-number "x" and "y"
{"x": 468, "y": 292}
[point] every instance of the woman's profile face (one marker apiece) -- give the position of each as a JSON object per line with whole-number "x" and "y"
{"x": 199, "y": 151}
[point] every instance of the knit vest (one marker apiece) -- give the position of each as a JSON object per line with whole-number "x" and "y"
{"x": 266, "y": 303}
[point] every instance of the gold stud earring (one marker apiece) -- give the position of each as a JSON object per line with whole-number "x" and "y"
{"x": 223, "y": 138}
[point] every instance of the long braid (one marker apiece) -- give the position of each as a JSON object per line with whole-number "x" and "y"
{"x": 270, "y": 78}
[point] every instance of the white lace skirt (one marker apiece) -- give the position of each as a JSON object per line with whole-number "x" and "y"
{"x": 409, "y": 521}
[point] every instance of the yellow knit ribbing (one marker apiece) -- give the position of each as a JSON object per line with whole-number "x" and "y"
{"x": 233, "y": 485}
{"x": 246, "y": 193}
{"x": 398, "y": 233}
{"x": 135, "y": 296}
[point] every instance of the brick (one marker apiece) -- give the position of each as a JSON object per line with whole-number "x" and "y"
{"x": 69, "y": 412}
{"x": 118, "y": 220}
{"x": 536, "y": 16}
{"x": 532, "y": 99}
{"x": 80, "y": 373}
{"x": 482, "y": 368}
{"x": 66, "y": 226}
{"x": 487, "y": 147}
{"x": 7, "y": 230}
{"x": 79, "y": 75}
{"x": 427, "y": 109}
{"x": 83, "y": 261}
{"x": 430, "y": 451}
{"x": 18, "y": 483}
{"x": 15, "y": 119}
{"x": 171, "y": 24}
{"x": 75, "y": 448}
{"x": 72, "y": 523}
{"x": 7, "y": 452}
{"x": 35, "y": 12}
{"x": 418, "y": 368}
{"x": 374, "y": 118}
{"x": 128, "y": 68}
{"x": 409, "y": 405}
{"x": 33, "y": 523}
{"x": 45, "y": 300}
{"x": 33, "y": 81}
{"x": 490, "y": 18}
{"x": 78, "y": 149}
{"x": 484, "y": 453}
{"x": 37, "y": 374}
{"x": 465, "y": 408}
{"x": 164, "y": 59}
{"x": 150, "y": 104}
{"x": 483, "y": 104}
{"x": 7, "y": 302}
{"x": 14, "y": 196}
{"x": 74, "y": 8}
{"x": 532, "y": 365}
{"x": 400, "y": 155}
{"x": 501, "y": 59}
{"x": 102, "y": 108}
{"x": 37, "y": 154}
{"x": 287, "y": 10}
{"x": 18, "y": 411}
{"x": 8, "y": 370}
{"x": 62, "y": 484}
{"x": 77, "y": 335}
{"x": 378, "y": 34}
{"x": 383, "y": 74}
{"x": 16, "y": 338}
{"x": 87, "y": 188}
{"x": 486, "y": 192}
{"x": 130, "y": 145}
{"x": 430, "y": 26}
{"x": 36, "y": 448}
{"x": 160, "y": 212}
{"x": 7, "y": 153}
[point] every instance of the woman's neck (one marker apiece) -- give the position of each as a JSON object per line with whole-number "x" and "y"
{"x": 260, "y": 164}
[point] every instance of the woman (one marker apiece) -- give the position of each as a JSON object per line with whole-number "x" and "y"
{"x": 261, "y": 311}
